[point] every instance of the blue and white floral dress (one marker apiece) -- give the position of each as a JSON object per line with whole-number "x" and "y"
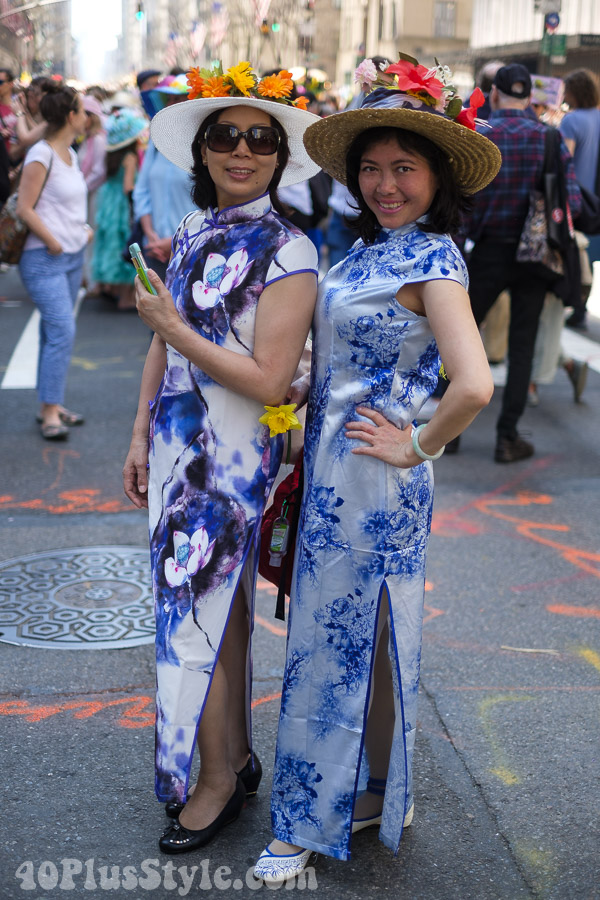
{"x": 211, "y": 463}
{"x": 364, "y": 525}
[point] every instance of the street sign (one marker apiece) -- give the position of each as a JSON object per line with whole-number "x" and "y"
{"x": 547, "y": 6}
{"x": 551, "y": 22}
{"x": 555, "y": 46}
{"x": 558, "y": 49}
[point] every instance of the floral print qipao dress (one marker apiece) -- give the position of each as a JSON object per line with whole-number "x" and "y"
{"x": 211, "y": 463}
{"x": 364, "y": 526}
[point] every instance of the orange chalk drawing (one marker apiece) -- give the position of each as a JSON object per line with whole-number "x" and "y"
{"x": 274, "y": 629}
{"x": 139, "y": 712}
{"x": 580, "y": 612}
{"x": 75, "y": 501}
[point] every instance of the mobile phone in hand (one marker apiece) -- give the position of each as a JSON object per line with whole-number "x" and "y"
{"x": 140, "y": 266}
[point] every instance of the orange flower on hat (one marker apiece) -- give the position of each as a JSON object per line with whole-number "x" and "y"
{"x": 196, "y": 83}
{"x": 301, "y": 103}
{"x": 215, "y": 87}
{"x": 276, "y": 86}
{"x": 415, "y": 79}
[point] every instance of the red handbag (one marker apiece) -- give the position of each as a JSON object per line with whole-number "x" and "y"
{"x": 278, "y": 531}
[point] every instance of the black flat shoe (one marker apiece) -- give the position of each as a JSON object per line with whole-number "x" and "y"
{"x": 179, "y": 839}
{"x": 251, "y": 775}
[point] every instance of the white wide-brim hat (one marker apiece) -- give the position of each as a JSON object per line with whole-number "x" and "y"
{"x": 174, "y": 128}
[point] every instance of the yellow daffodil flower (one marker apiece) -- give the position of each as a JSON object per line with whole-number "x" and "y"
{"x": 280, "y": 419}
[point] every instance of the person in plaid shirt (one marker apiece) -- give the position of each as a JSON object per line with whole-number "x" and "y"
{"x": 495, "y": 226}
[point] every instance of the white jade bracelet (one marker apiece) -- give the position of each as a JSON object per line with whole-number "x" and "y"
{"x": 417, "y": 447}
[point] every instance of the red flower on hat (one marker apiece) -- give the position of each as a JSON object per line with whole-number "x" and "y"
{"x": 467, "y": 116}
{"x": 414, "y": 79}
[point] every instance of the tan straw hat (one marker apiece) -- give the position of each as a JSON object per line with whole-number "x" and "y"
{"x": 474, "y": 159}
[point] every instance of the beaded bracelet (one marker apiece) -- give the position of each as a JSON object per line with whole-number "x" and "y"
{"x": 417, "y": 447}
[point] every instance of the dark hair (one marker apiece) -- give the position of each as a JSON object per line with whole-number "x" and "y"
{"x": 204, "y": 193}
{"x": 449, "y": 203}
{"x": 9, "y": 74}
{"x": 116, "y": 157}
{"x": 39, "y": 81}
{"x": 582, "y": 85}
{"x": 58, "y": 101}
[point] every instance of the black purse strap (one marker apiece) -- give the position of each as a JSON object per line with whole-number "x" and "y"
{"x": 551, "y": 151}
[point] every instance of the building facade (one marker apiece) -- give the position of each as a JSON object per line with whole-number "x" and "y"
{"x": 37, "y": 40}
{"x": 513, "y": 30}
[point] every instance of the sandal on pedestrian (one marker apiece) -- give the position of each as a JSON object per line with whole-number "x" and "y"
{"x": 66, "y": 417}
{"x": 54, "y": 432}
{"x": 274, "y": 868}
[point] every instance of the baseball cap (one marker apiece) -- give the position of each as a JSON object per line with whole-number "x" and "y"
{"x": 147, "y": 73}
{"x": 514, "y": 81}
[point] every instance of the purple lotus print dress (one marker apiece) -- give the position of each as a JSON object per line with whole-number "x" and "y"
{"x": 211, "y": 463}
{"x": 364, "y": 526}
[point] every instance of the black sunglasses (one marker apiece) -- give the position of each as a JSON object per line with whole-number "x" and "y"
{"x": 261, "y": 139}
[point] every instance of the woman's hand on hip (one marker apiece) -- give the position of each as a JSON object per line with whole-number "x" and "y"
{"x": 382, "y": 440}
{"x": 156, "y": 310}
{"x": 135, "y": 473}
{"x": 54, "y": 248}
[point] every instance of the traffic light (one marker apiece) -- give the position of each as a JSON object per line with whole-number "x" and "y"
{"x": 275, "y": 26}
{"x": 140, "y": 11}
{"x": 264, "y": 28}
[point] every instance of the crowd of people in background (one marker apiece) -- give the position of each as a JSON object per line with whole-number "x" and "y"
{"x": 133, "y": 193}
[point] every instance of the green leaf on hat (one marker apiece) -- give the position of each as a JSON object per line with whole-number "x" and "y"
{"x": 408, "y": 58}
{"x": 454, "y": 107}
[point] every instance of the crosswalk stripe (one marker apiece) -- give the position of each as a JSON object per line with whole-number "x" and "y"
{"x": 21, "y": 372}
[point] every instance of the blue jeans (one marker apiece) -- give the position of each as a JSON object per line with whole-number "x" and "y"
{"x": 52, "y": 283}
{"x": 339, "y": 238}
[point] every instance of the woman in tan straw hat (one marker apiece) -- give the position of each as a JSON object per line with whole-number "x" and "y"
{"x": 230, "y": 328}
{"x": 384, "y": 317}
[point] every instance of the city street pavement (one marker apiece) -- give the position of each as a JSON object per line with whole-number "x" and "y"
{"x": 507, "y": 763}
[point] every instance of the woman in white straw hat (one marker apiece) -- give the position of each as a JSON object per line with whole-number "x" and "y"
{"x": 229, "y": 333}
{"x": 384, "y": 317}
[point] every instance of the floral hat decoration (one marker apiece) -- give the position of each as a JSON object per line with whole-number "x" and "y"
{"x": 409, "y": 96}
{"x": 123, "y": 127}
{"x": 173, "y": 129}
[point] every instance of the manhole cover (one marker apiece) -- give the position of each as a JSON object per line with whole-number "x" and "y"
{"x": 85, "y": 598}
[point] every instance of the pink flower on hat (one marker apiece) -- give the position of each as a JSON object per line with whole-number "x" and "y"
{"x": 366, "y": 73}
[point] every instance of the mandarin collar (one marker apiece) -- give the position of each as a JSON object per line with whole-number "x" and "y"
{"x": 244, "y": 212}
{"x": 385, "y": 233}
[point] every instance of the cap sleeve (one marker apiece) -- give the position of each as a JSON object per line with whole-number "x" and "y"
{"x": 40, "y": 152}
{"x": 297, "y": 255}
{"x": 439, "y": 259}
